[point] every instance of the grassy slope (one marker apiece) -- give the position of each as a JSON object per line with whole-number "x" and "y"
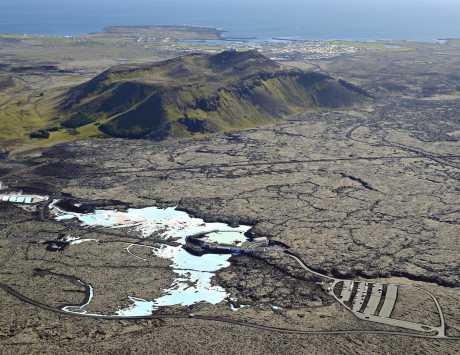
{"x": 22, "y": 113}
{"x": 152, "y": 100}
{"x": 228, "y": 91}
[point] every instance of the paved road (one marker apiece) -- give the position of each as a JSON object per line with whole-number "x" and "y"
{"x": 305, "y": 267}
{"x": 27, "y": 300}
{"x": 88, "y": 289}
{"x": 442, "y": 327}
{"x": 441, "y": 330}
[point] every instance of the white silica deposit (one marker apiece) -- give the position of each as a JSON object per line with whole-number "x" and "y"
{"x": 193, "y": 283}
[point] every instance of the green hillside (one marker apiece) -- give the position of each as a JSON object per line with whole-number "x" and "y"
{"x": 199, "y": 93}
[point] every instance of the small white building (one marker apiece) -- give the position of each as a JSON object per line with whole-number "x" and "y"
{"x": 23, "y": 199}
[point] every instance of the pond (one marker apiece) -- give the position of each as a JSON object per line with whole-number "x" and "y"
{"x": 193, "y": 281}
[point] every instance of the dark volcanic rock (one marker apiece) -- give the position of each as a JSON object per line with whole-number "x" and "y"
{"x": 253, "y": 282}
{"x": 41, "y": 134}
{"x": 195, "y": 125}
{"x": 60, "y": 169}
{"x": 71, "y": 205}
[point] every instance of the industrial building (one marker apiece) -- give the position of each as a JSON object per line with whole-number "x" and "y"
{"x": 20, "y": 198}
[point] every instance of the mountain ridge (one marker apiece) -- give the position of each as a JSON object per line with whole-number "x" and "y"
{"x": 200, "y": 93}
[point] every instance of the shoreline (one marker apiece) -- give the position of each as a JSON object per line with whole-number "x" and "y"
{"x": 220, "y": 33}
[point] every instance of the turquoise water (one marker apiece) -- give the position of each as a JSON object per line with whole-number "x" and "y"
{"x": 193, "y": 274}
{"x": 310, "y": 19}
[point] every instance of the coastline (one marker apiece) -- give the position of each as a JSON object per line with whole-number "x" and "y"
{"x": 226, "y": 35}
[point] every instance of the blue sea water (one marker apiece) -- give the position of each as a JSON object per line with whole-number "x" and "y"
{"x": 425, "y": 20}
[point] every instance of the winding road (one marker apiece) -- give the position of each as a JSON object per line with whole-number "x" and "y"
{"x": 27, "y": 300}
{"x": 79, "y": 310}
{"x": 88, "y": 294}
{"x": 441, "y": 330}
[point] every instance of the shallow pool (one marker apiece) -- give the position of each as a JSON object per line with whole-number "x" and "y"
{"x": 193, "y": 281}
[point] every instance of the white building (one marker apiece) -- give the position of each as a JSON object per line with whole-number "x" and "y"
{"x": 23, "y": 199}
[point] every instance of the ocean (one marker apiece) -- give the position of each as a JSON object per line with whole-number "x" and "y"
{"x": 422, "y": 20}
